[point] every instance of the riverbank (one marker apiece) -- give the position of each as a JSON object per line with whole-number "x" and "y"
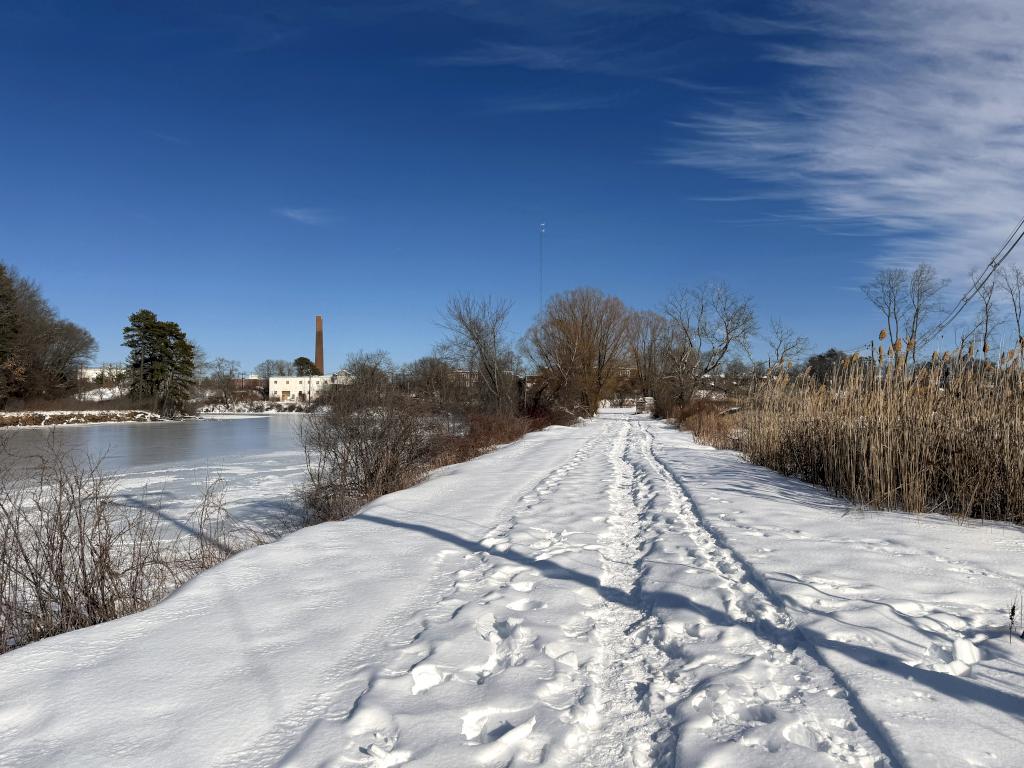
{"x": 254, "y": 406}
{"x": 62, "y": 418}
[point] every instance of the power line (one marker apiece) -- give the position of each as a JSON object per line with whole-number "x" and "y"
{"x": 979, "y": 282}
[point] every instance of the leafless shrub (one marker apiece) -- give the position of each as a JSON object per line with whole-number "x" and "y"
{"x": 70, "y": 555}
{"x": 73, "y": 555}
{"x": 210, "y": 534}
{"x": 372, "y": 439}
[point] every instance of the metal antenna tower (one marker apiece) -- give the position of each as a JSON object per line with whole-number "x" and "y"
{"x": 540, "y": 270}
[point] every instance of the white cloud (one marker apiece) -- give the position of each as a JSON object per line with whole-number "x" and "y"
{"x": 554, "y": 104}
{"x": 906, "y": 114}
{"x": 312, "y": 216}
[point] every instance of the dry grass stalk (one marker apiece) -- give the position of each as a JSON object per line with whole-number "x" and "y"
{"x": 946, "y": 437}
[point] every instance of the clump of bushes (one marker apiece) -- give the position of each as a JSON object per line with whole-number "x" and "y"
{"x": 387, "y": 428}
{"x": 72, "y": 554}
{"x": 713, "y": 422}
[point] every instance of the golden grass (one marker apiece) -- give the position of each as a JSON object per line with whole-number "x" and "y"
{"x": 945, "y": 437}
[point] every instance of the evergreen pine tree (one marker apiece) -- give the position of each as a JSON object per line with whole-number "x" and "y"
{"x": 161, "y": 362}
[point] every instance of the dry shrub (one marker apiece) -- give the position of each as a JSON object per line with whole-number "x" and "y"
{"x": 379, "y": 435}
{"x": 370, "y": 440}
{"x": 73, "y": 555}
{"x": 714, "y": 422}
{"x": 946, "y": 437}
{"x": 483, "y": 432}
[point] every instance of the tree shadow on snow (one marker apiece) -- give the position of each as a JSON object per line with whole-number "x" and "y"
{"x": 962, "y": 689}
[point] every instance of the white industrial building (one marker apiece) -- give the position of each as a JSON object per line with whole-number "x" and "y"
{"x": 302, "y": 389}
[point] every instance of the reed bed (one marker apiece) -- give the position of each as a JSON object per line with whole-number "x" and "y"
{"x": 945, "y": 437}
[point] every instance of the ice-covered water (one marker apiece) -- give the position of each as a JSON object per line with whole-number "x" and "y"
{"x": 165, "y": 465}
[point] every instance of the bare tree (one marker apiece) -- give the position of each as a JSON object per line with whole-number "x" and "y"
{"x": 888, "y": 291}
{"x": 645, "y": 339}
{"x": 221, "y": 375}
{"x": 477, "y": 345}
{"x": 711, "y": 322}
{"x": 923, "y": 299}
{"x": 784, "y": 344}
{"x": 1012, "y": 282}
{"x": 432, "y": 379}
{"x": 269, "y": 368}
{"x": 577, "y": 346}
{"x": 988, "y": 319}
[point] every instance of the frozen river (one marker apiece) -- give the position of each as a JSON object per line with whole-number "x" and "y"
{"x": 165, "y": 464}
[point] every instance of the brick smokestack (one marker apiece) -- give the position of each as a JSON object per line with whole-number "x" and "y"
{"x": 319, "y": 344}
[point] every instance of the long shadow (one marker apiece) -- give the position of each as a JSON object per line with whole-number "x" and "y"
{"x": 156, "y": 508}
{"x": 948, "y": 685}
{"x": 552, "y": 570}
{"x": 962, "y": 689}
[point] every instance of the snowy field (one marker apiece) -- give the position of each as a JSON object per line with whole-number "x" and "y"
{"x": 603, "y": 595}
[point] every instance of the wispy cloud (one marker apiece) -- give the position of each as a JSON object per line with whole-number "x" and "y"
{"x": 169, "y": 138}
{"x": 903, "y": 114}
{"x": 592, "y": 51}
{"x": 311, "y": 216}
{"x": 540, "y": 57}
{"x": 554, "y": 104}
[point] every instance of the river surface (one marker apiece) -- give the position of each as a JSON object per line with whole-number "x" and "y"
{"x": 165, "y": 465}
{"x": 196, "y": 443}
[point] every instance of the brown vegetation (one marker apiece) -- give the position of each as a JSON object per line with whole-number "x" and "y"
{"x": 945, "y": 437}
{"x": 73, "y": 555}
{"x": 56, "y": 418}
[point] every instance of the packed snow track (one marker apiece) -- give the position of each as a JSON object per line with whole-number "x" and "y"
{"x": 604, "y": 595}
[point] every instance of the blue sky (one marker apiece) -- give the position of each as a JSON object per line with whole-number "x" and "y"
{"x": 239, "y": 167}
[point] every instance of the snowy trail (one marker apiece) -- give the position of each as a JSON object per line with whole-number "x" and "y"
{"x": 606, "y": 595}
{"x": 543, "y": 647}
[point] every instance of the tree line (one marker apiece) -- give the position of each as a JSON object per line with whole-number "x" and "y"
{"x": 41, "y": 353}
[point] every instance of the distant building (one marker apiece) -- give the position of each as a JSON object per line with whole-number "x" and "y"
{"x": 302, "y": 389}
{"x": 104, "y": 373}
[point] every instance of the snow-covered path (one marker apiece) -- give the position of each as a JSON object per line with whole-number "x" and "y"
{"x": 605, "y": 595}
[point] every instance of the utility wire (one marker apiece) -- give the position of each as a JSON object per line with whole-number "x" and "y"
{"x": 987, "y": 274}
{"x": 978, "y": 283}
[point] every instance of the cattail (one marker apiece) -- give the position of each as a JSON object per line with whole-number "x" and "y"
{"x": 985, "y": 348}
{"x": 882, "y": 336}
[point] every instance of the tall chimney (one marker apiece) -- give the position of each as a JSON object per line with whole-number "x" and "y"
{"x": 320, "y": 344}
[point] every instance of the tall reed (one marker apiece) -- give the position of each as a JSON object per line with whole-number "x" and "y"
{"x": 946, "y": 436}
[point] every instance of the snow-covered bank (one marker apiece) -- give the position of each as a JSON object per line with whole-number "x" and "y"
{"x": 255, "y": 406}
{"x": 602, "y": 595}
{"x": 62, "y": 418}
